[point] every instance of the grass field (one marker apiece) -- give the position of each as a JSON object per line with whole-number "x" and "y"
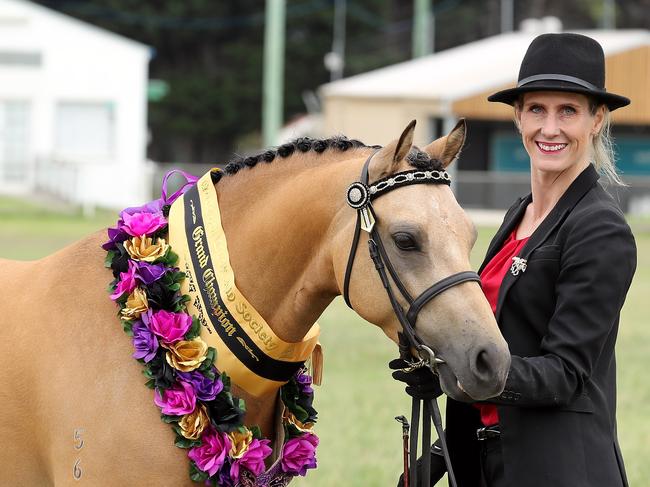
{"x": 360, "y": 440}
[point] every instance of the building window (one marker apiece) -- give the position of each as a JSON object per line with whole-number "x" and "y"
{"x": 508, "y": 153}
{"x": 14, "y": 140}
{"x": 12, "y": 58}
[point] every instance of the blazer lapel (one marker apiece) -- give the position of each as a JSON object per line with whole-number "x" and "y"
{"x": 578, "y": 188}
{"x": 509, "y": 223}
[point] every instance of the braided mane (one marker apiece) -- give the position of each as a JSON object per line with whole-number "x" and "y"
{"x": 416, "y": 158}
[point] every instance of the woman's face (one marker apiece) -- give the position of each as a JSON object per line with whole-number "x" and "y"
{"x": 556, "y": 129}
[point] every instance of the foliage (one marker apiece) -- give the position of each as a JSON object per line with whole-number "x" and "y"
{"x": 211, "y": 54}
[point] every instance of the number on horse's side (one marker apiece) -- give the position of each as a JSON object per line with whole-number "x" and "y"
{"x": 68, "y": 375}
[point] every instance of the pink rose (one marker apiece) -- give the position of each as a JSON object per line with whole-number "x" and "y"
{"x": 299, "y": 454}
{"x": 168, "y": 325}
{"x": 177, "y": 400}
{"x": 126, "y": 283}
{"x": 142, "y": 223}
{"x": 209, "y": 457}
{"x": 253, "y": 459}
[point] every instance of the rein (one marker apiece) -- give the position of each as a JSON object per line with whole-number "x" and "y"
{"x": 359, "y": 196}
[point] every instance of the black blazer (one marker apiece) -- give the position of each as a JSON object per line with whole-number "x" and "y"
{"x": 560, "y": 318}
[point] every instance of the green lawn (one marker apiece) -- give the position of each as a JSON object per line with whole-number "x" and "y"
{"x": 360, "y": 440}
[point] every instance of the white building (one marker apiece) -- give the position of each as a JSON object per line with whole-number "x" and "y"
{"x": 73, "y": 104}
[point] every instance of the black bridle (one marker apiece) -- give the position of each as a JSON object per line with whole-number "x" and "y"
{"x": 359, "y": 196}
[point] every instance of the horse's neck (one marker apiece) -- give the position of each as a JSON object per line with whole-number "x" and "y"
{"x": 277, "y": 219}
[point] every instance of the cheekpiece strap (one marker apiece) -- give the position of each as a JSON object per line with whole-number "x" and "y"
{"x": 359, "y": 196}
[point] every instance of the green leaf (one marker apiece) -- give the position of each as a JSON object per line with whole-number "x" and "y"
{"x": 178, "y": 276}
{"x": 172, "y": 257}
{"x": 209, "y": 373}
{"x": 109, "y": 258}
{"x": 291, "y": 431}
{"x": 182, "y": 442}
{"x": 170, "y": 419}
{"x": 225, "y": 379}
{"x": 209, "y": 360}
{"x": 194, "y": 330}
{"x": 151, "y": 384}
{"x": 241, "y": 404}
{"x": 127, "y": 325}
{"x": 300, "y": 413}
{"x": 257, "y": 432}
{"x": 197, "y": 475}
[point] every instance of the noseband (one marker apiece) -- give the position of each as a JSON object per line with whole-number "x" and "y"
{"x": 359, "y": 196}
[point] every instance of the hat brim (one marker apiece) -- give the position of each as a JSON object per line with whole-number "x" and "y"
{"x": 509, "y": 96}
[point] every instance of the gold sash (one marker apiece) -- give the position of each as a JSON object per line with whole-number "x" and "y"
{"x": 254, "y": 357}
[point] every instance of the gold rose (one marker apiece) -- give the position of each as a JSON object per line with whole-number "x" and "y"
{"x": 193, "y": 424}
{"x": 289, "y": 418}
{"x": 186, "y": 355}
{"x": 240, "y": 443}
{"x": 136, "y": 304}
{"x": 144, "y": 248}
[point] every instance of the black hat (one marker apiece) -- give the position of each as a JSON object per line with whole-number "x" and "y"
{"x": 563, "y": 62}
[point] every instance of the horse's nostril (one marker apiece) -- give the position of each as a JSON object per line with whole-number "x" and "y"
{"x": 483, "y": 365}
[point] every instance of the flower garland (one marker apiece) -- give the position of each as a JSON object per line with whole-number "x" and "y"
{"x": 193, "y": 397}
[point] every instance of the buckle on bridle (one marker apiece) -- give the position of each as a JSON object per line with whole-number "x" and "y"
{"x": 428, "y": 358}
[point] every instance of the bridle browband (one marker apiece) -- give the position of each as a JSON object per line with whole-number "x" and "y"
{"x": 359, "y": 196}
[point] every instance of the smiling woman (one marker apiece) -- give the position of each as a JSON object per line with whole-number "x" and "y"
{"x": 556, "y": 274}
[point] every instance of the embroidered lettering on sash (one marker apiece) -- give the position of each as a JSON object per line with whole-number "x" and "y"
{"x": 255, "y": 358}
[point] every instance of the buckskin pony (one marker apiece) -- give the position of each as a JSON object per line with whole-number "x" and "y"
{"x": 72, "y": 396}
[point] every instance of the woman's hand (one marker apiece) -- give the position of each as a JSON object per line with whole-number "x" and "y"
{"x": 420, "y": 383}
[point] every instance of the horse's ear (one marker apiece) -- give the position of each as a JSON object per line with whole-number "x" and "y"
{"x": 386, "y": 161}
{"x": 447, "y": 149}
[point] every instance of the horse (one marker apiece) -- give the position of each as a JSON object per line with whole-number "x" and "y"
{"x": 72, "y": 396}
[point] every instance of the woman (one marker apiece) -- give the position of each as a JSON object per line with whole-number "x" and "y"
{"x": 556, "y": 274}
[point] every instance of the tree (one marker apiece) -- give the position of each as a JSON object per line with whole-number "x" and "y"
{"x": 210, "y": 53}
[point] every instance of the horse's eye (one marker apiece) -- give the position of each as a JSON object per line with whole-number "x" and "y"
{"x": 405, "y": 241}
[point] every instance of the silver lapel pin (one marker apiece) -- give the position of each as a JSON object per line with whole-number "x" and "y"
{"x": 518, "y": 265}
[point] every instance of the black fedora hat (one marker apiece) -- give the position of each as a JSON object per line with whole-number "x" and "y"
{"x": 563, "y": 62}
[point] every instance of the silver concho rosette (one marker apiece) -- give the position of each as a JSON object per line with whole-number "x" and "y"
{"x": 358, "y": 195}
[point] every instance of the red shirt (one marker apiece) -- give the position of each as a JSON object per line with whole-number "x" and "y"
{"x": 491, "y": 279}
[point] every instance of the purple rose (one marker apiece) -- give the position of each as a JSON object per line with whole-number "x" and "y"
{"x": 304, "y": 383}
{"x": 253, "y": 459}
{"x": 206, "y": 389}
{"x": 210, "y": 455}
{"x": 144, "y": 342}
{"x": 299, "y": 454}
{"x": 119, "y": 233}
{"x": 177, "y": 400}
{"x": 115, "y": 235}
{"x": 224, "y": 479}
{"x": 126, "y": 282}
{"x": 168, "y": 325}
{"x": 149, "y": 273}
{"x": 142, "y": 223}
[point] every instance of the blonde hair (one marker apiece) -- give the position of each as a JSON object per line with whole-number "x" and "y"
{"x": 602, "y": 146}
